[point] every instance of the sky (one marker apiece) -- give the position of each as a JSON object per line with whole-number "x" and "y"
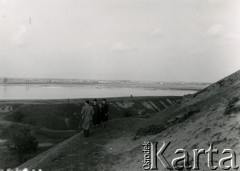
{"x": 157, "y": 40}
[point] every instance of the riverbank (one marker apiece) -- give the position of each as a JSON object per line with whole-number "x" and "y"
{"x": 40, "y": 89}
{"x": 48, "y": 119}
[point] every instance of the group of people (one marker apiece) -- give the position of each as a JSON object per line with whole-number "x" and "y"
{"x": 93, "y": 115}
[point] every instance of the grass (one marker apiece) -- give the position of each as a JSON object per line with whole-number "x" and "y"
{"x": 49, "y": 116}
{"x": 232, "y": 107}
{"x": 53, "y": 116}
{"x": 149, "y": 130}
{"x": 158, "y": 128}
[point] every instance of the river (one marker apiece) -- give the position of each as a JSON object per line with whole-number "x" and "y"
{"x": 13, "y": 92}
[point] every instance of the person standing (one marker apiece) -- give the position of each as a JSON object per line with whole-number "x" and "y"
{"x": 104, "y": 111}
{"x": 96, "y": 115}
{"x": 68, "y": 120}
{"x": 87, "y": 116}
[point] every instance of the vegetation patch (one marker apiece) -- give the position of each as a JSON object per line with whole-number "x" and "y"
{"x": 128, "y": 112}
{"x": 22, "y": 141}
{"x": 221, "y": 83}
{"x": 199, "y": 92}
{"x": 149, "y": 130}
{"x": 183, "y": 117}
{"x": 190, "y": 113}
{"x": 232, "y": 106}
{"x": 49, "y": 116}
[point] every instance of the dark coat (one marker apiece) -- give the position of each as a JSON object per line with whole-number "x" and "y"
{"x": 96, "y": 115}
{"x": 104, "y": 112}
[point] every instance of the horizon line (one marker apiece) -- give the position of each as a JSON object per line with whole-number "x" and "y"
{"x": 92, "y": 79}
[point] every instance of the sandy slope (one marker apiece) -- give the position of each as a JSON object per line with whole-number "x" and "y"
{"x": 207, "y": 126}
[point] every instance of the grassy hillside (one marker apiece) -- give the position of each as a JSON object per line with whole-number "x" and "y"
{"x": 47, "y": 119}
{"x": 53, "y": 115}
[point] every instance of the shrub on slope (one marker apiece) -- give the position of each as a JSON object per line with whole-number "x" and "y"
{"x": 232, "y": 106}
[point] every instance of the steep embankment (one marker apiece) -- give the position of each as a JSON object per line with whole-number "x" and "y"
{"x": 53, "y": 114}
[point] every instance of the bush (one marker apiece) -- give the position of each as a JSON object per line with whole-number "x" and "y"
{"x": 183, "y": 117}
{"x": 22, "y": 141}
{"x": 231, "y": 107}
{"x": 189, "y": 114}
{"x": 199, "y": 92}
{"x": 128, "y": 113}
{"x": 18, "y": 117}
{"x": 221, "y": 83}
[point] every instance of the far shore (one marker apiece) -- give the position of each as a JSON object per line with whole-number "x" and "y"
{"x": 80, "y": 100}
{"x": 117, "y": 84}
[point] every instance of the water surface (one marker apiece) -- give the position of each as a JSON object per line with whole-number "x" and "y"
{"x": 66, "y": 92}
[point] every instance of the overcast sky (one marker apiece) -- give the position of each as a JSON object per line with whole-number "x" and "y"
{"x": 159, "y": 40}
